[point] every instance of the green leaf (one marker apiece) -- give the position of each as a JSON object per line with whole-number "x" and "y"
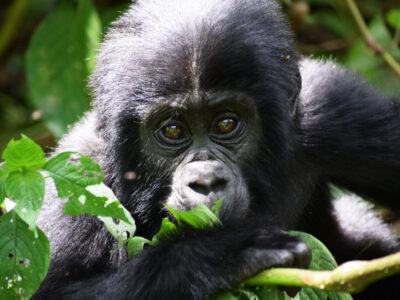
{"x": 217, "y": 206}
{"x": 72, "y": 173}
{"x": 24, "y": 259}
{"x": 120, "y": 229}
{"x": 135, "y": 245}
{"x": 26, "y": 189}
{"x": 167, "y": 229}
{"x": 23, "y": 154}
{"x": 339, "y": 296}
{"x": 272, "y": 292}
{"x": 361, "y": 59}
{"x": 393, "y": 18}
{"x": 59, "y": 60}
{"x": 332, "y": 21}
{"x": 310, "y": 294}
{"x": 224, "y": 295}
{"x": 200, "y": 217}
{"x": 321, "y": 260}
{"x": 2, "y": 188}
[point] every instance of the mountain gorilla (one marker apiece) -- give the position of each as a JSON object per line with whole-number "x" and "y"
{"x": 194, "y": 100}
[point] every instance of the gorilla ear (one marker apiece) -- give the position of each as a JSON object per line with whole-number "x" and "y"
{"x": 294, "y": 98}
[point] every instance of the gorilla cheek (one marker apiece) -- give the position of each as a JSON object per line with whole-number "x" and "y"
{"x": 206, "y": 182}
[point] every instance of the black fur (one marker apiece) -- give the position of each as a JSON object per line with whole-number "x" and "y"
{"x": 341, "y": 131}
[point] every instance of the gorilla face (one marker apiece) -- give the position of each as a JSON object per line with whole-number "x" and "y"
{"x": 198, "y": 107}
{"x": 202, "y": 140}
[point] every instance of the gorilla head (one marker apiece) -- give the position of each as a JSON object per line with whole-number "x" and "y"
{"x": 196, "y": 105}
{"x": 200, "y": 99}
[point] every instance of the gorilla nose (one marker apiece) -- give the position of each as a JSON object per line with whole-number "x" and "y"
{"x": 217, "y": 186}
{"x": 203, "y": 182}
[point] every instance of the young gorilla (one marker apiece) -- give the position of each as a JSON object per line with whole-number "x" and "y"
{"x": 203, "y": 99}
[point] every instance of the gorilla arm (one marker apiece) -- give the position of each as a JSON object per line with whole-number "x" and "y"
{"x": 188, "y": 267}
{"x": 351, "y": 131}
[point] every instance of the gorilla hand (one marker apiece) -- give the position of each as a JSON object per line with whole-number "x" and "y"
{"x": 202, "y": 263}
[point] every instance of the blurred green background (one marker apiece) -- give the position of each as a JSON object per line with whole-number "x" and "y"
{"x": 47, "y": 50}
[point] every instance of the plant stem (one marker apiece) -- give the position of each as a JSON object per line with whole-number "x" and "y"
{"x": 396, "y": 38}
{"x": 352, "y": 277}
{"x": 11, "y": 22}
{"x": 374, "y": 46}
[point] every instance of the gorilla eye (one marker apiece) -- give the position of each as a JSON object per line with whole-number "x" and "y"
{"x": 225, "y": 126}
{"x": 173, "y": 132}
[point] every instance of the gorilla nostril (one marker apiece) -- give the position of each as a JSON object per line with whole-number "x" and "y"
{"x": 200, "y": 188}
{"x": 219, "y": 185}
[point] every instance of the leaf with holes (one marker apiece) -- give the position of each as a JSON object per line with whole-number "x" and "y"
{"x": 26, "y": 189}
{"x": 24, "y": 258}
{"x": 120, "y": 229}
{"x": 72, "y": 173}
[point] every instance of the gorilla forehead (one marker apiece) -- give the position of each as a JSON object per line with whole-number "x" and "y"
{"x": 161, "y": 48}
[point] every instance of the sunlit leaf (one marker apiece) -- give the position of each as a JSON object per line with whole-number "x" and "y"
{"x": 73, "y": 173}
{"x": 135, "y": 245}
{"x": 26, "y": 189}
{"x": 217, "y": 205}
{"x": 167, "y": 229}
{"x": 200, "y": 217}
{"x": 120, "y": 229}
{"x": 23, "y": 154}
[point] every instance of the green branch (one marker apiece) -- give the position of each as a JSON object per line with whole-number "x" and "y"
{"x": 11, "y": 22}
{"x": 396, "y": 38}
{"x": 374, "y": 46}
{"x": 352, "y": 277}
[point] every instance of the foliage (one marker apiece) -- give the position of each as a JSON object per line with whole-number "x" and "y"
{"x": 199, "y": 218}
{"x": 353, "y": 51}
{"x": 55, "y": 80}
{"x": 24, "y": 249}
{"x": 360, "y": 58}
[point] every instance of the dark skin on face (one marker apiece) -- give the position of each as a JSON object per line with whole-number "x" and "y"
{"x": 220, "y": 124}
{"x": 203, "y": 140}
